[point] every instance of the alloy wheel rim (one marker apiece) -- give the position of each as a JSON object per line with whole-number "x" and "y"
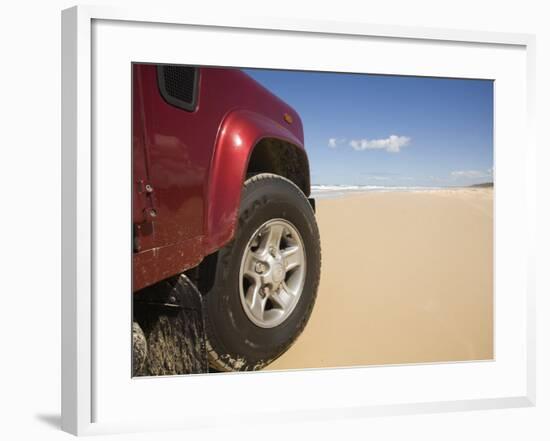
{"x": 272, "y": 273}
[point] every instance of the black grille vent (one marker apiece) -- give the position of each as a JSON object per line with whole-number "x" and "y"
{"x": 178, "y": 85}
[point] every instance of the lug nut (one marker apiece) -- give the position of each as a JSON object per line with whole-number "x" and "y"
{"x": 259, "y": 267}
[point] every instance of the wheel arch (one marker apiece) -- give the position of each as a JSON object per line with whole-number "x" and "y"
{"x": 283, "y": 158}
{"x": 248, "y": 142}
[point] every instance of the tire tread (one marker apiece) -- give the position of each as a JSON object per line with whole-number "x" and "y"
{"x": 224, "y": 362}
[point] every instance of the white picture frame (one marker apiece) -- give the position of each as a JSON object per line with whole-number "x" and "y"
{"x": 92, "y": 399}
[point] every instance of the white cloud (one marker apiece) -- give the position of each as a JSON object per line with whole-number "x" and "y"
{"x": 378, "y": 178}
{"x": 488, "y": 173}
{"x": 335, "y": 142}
{"x": 391, "y": 144}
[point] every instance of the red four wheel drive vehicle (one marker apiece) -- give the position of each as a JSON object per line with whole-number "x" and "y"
{"x": 220, "y": 192}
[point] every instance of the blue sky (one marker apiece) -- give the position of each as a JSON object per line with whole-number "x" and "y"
{"x": 390, "y": 130}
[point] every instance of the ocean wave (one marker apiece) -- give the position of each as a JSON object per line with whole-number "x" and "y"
{"x": 340, "y": 190}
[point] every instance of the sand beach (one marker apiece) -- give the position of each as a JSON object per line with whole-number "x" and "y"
{"x": 407, "y": 277}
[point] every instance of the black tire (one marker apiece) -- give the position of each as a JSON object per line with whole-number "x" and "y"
{"x": 234, "y": 342}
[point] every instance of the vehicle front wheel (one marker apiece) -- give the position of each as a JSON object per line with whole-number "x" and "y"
{"x": 266, "y": 278}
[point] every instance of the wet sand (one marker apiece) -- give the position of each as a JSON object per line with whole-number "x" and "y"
{"x": 407, "y": 277}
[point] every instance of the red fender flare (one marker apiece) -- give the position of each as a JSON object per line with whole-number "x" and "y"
{"x": 239, "y": 133}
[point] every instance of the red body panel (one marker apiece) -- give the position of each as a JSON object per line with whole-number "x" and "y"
{"x": 189, "y": 166}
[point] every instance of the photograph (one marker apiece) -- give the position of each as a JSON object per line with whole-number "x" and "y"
{"x": 287, "y": 219}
